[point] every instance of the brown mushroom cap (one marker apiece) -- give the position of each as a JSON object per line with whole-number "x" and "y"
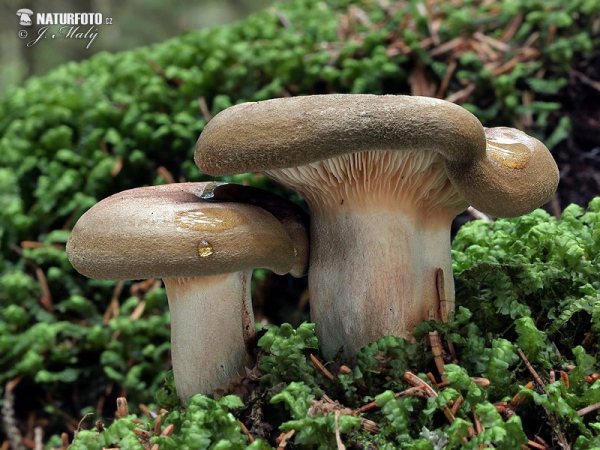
{"x": 498, "y": 174}
{"x": 290, "y": 215}
{"x": 519, "y": 174}
{"x": 168, "y": 231}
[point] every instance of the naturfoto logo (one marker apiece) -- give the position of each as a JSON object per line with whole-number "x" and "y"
{"x": 25, "y": 17}
{"x": 68, "y": 25}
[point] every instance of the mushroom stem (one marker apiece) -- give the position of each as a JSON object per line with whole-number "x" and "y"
{"x": 388, "y": 262}
{"x": 380, "y": 229}
{"x": 209, "y": 345}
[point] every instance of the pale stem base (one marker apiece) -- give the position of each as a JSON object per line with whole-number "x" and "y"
{"x": 373, "y": 273}
{"x": 211, "y": 325}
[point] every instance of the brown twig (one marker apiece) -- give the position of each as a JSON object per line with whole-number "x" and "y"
{"x": 457, "y": 404}
{"x": 338, "y": 438}
{"x": 321, "y": 368}
{"x": 165, "y": 174}
{"x": 158, "y": 426}
{"x": 64, "y": 439}
{"x": 168, "y": 431}
{"x": 415, "y": 381}
{"x": 535, "y": 445}
{"x": 519, "y": 398}
{"x": 204, "y": 109}
{"x": 122, "y": 409}
{"x": 282, "y": 440}
{"x": 588, "y": 409}
{"x": 533, "y": 372}
{"x": 410, "y": 392}
{"x": 113, "y": 307}
{"x": 246, "y": 432}
{"x": 436, "y": 348}
{"x": 477, "y": 423}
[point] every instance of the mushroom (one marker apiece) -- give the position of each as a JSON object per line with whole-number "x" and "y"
{"x": 205, "y": 253}
{"x": 383, "y": 176}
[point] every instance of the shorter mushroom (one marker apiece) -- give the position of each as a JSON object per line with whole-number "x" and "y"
{"x": 205, "y": 253}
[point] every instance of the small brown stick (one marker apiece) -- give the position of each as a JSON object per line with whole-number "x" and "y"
{"x": 504, "y": 410}
{"x": 345, "y": 370}
{"x": 321, "y": 368}
{"x": 117, "y": 167}
{"x": 338, "y": 437}
{"x": 498, "y": 45}
{"x": 564, "y": 378}
{"x": 512, "y": 28}
{"x": 539, "y": 440}
{"x": 519, "y": 398}
{"x": 448, "y": 46}
{"x": 480, "y": 381}
{"x": 457, "y": 405}
{"x": 441, "y": 292}
{"x": 138, "y": 311}
{"x": 64, "y": 439}
{"x": 432, "y": 379}
{"x": 436, "y": 349}
{"x": 168, "y": 431}
{"x": 588, "y": 409}
{"x": 145, "y": 410}
{"x": 369, "y": 425}
{"x": 532, "y": 444}
{"x": 447, "y": 413}
{"x": 535, "y": 375}
{"x": 462, "y": 95}
{"x": 446, "y": 80}
{"x": 414, "y": 380}
{"x": 36, "y": 244}
{"x": 165, "y": 174}
{"x": 113, "y": 306}
{"x": 122, "y": 410}
{"x": 246, "y": 432}
{"x": 587, "y": 337}
{"x": 143, "y": 433}
{"x": 99, "y": 426}
{"x": 282, "y": 440}
{"x": 80, "y": 424}
{"x": 591, "y": 379}
{"x": 204, "y": 109}
{"x": 410, "y": 392}
{"x": 452, "y": 352}
{"x": 478, "y": 427}
{"x": 158, "y": 426}
{"x": 46, "y": 298}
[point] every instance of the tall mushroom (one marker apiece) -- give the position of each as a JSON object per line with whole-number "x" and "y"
{"x": 205, "y": 253}
{"x": 383, "y": 177}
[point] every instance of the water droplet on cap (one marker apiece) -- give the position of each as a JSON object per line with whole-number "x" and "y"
{"x": 507, "y": 147}
{"x": 205, "y": 249}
